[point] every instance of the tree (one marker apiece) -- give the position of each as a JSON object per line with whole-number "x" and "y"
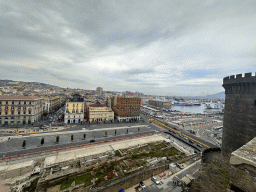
{"x": 72, "y": 137}
{"x": 42, "y": 141}
{"x": 115, "y": 132}
{"x": 138, "y": 129}
{"x": 84, "y": 136}
{"x": 127, "y": 131}
{"x": 24, "y": 144}
{"x": 57, "y": 139}
{"x": 106, "y": 134}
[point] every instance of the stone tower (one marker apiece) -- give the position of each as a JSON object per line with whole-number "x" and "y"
{"x": 239, "y": 125}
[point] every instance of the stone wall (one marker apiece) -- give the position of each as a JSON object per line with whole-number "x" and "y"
{"x": 244, "y": 177}
{"x": 240, "y": 111}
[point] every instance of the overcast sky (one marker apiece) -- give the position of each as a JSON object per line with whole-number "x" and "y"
{"x": 171, "y": 47}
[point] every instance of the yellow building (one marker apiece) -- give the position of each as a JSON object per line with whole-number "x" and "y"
{"x": 100, "y": 114}
{"x": 74, "y": 111}
{"x": 20, "y": 110}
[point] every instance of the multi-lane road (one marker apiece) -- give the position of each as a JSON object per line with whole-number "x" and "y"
{"x": 156, "y": 126}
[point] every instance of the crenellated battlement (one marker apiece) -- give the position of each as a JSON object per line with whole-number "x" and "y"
{"x": 240, "y": 111}
{"x": 239, "y": 78}
{"x": 240, "y": 84}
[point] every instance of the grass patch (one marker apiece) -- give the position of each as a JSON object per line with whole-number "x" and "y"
{"x": 86, "y": 179}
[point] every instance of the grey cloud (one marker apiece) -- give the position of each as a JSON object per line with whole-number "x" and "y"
{"x": 55, "y": 37}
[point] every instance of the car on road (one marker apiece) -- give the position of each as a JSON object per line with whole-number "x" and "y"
{"x": 91, "y": 141}
{"x": 142, "y": 185}
{"x": 175, "y": 128}
{"x": 199, "y": 145}
{"x": 155, "y": 180}
{"x": 191, "y": 141}
{"x": 179, "y": 166}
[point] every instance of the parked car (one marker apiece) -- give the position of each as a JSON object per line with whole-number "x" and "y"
{"x": 155, "y": 180}
{"x": 191, "y": 141}
{"x": 91, "y": 141}
{"x": 142, "y": 185}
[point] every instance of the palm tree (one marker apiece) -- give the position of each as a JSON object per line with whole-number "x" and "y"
{"x": 42, "y": 141}
{"x": 24, "y": 144}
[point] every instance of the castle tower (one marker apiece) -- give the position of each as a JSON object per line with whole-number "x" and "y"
{"x": 239, "y": 125}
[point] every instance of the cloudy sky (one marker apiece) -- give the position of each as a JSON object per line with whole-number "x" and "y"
{"x": 171, "y": 47}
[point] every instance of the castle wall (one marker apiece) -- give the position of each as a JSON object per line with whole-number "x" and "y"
{"x": 239, "y": 125}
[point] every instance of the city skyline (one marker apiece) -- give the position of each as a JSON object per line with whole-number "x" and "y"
{"x": 158, "y": 48}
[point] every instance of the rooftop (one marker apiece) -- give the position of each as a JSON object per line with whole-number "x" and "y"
{"x": 21, "y": 97}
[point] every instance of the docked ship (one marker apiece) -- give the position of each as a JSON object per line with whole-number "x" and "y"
{"x": 212, "y": 105}
{"x": 197, "y": 103}
{"x": 186, "y": 104}
{"x": 182, "y": 103}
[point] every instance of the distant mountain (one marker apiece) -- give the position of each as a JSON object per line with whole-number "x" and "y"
{"x": 220, "y": 95}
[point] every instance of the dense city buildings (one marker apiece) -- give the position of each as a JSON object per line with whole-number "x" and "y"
{"x": 160, "y": 104}
{"x": 126, "y": 108}
{"x": 20, "y": 110}
{"x": 99, "y": 91}
{"x": 74, "y": 112}
{"x": 53, "y": 102}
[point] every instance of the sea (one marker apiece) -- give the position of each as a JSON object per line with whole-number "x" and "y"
{"x": 195, "y": 109}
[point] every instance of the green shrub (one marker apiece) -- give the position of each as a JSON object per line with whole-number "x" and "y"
{"x": 32, "y": 187}
{"x": 117, "y": 153}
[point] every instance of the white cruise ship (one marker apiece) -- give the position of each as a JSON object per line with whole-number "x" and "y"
{"x": 213, "y": 105}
